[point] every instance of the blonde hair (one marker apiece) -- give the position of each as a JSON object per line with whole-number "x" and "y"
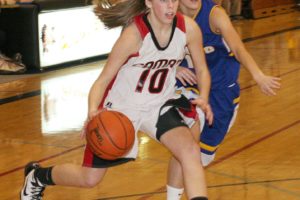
{"x": 114, "y": 13}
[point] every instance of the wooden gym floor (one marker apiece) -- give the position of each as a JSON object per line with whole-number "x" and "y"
{"x": 41, "y": 117}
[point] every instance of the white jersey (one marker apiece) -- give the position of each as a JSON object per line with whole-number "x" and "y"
{"x": 148, "y": 77}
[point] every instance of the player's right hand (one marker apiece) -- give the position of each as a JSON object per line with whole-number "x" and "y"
{"x": 91, "y": 115}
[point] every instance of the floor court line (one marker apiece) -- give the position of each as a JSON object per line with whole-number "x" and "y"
{"x": 34, "y": 143}
{"x": 266, "y": 183}
{"x": 38, "y": 92}
{"x": 247, "y": 182}
{"x": 41, "y": 160}
{"x": 20, "y": 96}
{"x": 253, "y": 143}
{"x": 250, "y": 39}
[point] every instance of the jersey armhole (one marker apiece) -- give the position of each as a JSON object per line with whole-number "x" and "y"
{"x": 180, "y": 22}
{"x": 141, "y": 26}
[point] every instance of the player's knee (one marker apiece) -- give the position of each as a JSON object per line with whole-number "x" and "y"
{"x": 207, "y": 159}
{"x": 190, "y": 151}
{"x": 90, "y": 180}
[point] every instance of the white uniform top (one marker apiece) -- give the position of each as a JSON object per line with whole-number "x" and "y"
{"x": 147, "y": 79}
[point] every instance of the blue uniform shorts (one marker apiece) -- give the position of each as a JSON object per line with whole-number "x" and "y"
{"x": 224, "y": 103}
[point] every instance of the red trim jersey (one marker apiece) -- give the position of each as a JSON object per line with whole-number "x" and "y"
{"x": 148, "y": 77}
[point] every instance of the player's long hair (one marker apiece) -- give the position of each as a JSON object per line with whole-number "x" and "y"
{"x": 114, "y": 13}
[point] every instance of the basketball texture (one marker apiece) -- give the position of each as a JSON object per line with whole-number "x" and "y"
{"x": 110, "y": 135}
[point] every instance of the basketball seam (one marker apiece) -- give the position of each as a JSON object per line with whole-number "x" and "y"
{"x": 93, "y": 145}
{"x": 126, "y": 134}
{"x": 106, "y": 132}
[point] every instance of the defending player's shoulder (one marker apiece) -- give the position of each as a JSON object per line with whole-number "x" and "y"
{"x": 190, "y": 24}
{"x": 218, "y": 19}
{"x": 218, "y": 10}
{"x": 192, "y": 29}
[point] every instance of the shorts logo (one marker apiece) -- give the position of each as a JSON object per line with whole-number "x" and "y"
{"x": 108, "y": 104}
{"x": 209, "y": 49}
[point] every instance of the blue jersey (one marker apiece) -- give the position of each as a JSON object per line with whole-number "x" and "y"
{"x": 225, "y": 91}
{"x": 223, "y": 66}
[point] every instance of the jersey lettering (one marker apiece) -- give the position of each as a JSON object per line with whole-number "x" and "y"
{"x": 157, "y": 80}
{"x": 142, "y": 81}
{"x": 155, "y": 87}
{"x": 159, "y": 64}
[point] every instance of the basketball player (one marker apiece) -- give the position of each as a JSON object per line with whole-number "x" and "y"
{"x": 138, "y": 80}
{"x": 224, "y": 52}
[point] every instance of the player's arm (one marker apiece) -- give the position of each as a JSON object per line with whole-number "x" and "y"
{"x": 195, "y": 46}
{"x": 127, "y": 44}
{"x": 221, "y": 23}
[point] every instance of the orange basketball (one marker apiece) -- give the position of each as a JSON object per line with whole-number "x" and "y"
{"x": 110, "y": 135}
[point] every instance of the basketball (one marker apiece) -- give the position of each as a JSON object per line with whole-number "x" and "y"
{"x": 110, "y": 135}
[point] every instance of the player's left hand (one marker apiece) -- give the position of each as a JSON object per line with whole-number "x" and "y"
{"x": 268, "y": 84}
{"x": 186, "y": 76}
{"x": 202, "y": 103}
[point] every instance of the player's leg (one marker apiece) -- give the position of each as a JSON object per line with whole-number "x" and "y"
{"x": 213, "y": 136}
{"x": 168, "y": 125}
{"x": 175, "y": 185}
{"x": 175, "y": 178}
{"x": 37, "y": 178}
{"x": 77, "y": 176}
{"x": 184, "y": 148}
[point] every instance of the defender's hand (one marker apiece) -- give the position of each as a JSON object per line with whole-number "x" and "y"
{"x": 205, "y": 108}
{"x": 186, "y": 76}
{"x": 268, "y": 84}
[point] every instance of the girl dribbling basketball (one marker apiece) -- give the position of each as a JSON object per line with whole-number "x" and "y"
{"x": 138, "y": 80}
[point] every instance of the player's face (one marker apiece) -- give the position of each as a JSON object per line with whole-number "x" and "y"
{"x": 190, "y": 4}
{"x": 164, "y": 10}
